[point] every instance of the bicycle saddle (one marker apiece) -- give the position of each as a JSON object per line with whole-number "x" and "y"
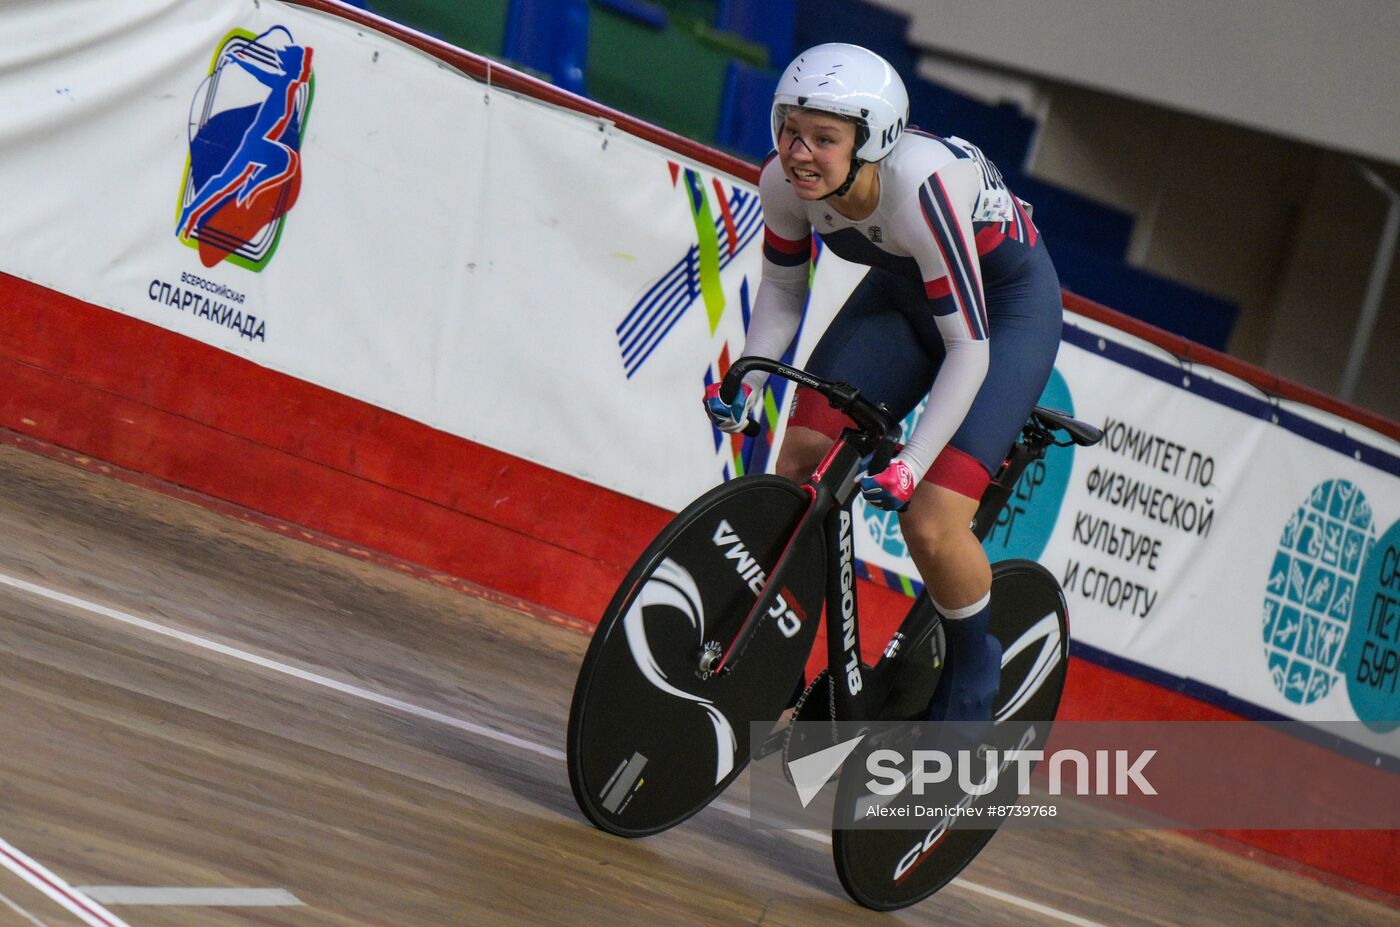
{"x": 1081, "y": 433}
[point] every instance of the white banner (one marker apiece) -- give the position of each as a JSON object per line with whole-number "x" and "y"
{"x": 329, "y": 203}
{"x": 1245, "y": 549}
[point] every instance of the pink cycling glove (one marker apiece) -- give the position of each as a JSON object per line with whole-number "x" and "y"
{"x": 891, "y": 488}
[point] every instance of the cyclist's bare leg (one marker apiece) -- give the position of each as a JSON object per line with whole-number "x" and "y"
{"x": 801, "y": 453}
{"x": 951, "y": 562}
{"x": 954, "y": 567}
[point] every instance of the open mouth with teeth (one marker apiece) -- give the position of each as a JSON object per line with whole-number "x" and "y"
{"x": 805, "y": 175}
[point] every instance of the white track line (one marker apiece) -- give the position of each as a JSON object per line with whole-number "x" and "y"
{"x": 1020, "y": 902}
{"x": 7, "y": 902}
{"x": 85, "y": 909}
{"x": 480, "y": 730}
{"x": 277, "y": 666}
{"x": 191, "y": 897}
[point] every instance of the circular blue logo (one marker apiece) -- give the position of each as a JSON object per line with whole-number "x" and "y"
{"x": 1024, "y": 526}
{"x": 1370, "y": 661}
{"x": 1312, "y": 589}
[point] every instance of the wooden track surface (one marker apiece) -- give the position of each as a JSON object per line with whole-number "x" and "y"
{"x": 390, "y": 753}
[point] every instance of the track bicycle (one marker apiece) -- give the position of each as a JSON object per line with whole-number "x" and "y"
{"x": 716, "y": 620}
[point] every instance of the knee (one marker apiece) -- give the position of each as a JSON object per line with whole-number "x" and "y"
{"x": 803, "y": 450}
{"x": 935, "y": 533}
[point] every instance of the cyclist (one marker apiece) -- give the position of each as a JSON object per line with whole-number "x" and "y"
{"x": 961, "y": 306}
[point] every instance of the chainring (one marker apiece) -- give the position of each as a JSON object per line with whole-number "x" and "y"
{"x": 815, "y": 704}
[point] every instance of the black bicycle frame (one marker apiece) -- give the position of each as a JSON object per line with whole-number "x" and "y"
{"x": 832, "y": 489}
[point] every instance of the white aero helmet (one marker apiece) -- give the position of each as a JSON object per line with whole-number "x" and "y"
{"x": 849, "y": 81}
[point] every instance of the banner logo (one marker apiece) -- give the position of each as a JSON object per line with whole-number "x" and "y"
{"x": 247, "y": 120}
{"x": 1312, "y": 589}
{"x": 695, "y": 278}
{"x": 727, "y": 217}
{"x": 1370, "y": 661}
{"x": 1024, "y": 526}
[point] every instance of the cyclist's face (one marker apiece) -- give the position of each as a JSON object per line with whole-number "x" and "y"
{"x": 815, "y": 149}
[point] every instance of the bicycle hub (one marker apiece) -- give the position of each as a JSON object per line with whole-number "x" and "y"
{"x": 710, "y": 655}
